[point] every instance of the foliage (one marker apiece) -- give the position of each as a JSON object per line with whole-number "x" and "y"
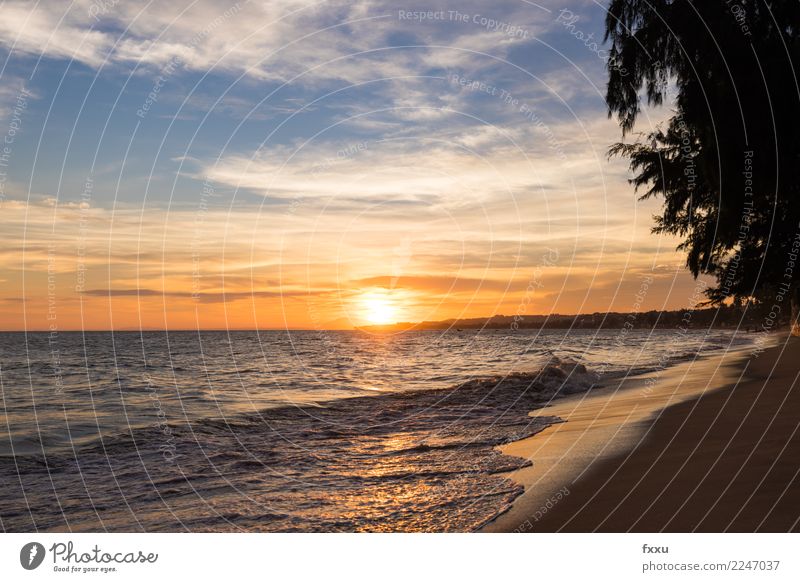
{"x": 726, "y": 164}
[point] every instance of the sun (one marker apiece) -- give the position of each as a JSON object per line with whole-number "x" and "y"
{"x": 378, "y": 309}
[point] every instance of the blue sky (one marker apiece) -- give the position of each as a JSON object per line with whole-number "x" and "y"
{"x": 234, "y": 72}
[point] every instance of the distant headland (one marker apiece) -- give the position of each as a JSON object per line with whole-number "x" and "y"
{"x": 745, "y": 318}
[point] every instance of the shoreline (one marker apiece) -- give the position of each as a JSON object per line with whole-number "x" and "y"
{"x": 666, "y": 451}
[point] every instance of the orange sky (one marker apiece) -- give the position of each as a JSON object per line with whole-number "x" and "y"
{"x": 77, "y": 267}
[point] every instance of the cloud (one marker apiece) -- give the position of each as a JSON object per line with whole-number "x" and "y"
{"x": 388, "y": 169}
{"x": 260, "y": 39}
{"x": 446, "y": 154}
{"x": 201, "y": 297}
{"x": 15, "y": 97}
{"x": 54, "y": 29}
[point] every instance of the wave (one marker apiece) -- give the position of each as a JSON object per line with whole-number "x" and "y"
{"x": 414, "y": 461}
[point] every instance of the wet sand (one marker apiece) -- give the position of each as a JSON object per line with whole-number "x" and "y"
{"x": 711, "y": 445}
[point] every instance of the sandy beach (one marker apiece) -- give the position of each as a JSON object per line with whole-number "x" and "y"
{"x": 710, "y": 445}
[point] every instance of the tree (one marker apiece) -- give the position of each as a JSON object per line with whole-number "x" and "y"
{"x": 727, "y": 161}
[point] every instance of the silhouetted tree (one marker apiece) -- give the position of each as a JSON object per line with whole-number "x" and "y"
{"x": 727, "y": 161}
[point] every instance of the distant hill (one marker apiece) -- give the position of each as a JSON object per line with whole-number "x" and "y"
{"x": 722, "y": 317}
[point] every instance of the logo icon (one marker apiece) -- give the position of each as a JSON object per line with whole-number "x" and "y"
{"x": 31, "y": 555}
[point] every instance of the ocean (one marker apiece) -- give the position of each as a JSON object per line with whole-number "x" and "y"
{"x": 290, "y": 430}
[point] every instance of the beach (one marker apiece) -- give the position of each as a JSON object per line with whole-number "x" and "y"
{"x": 709, "y": 445}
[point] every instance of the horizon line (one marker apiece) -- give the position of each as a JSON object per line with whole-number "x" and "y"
{"x": 355, "y": 327}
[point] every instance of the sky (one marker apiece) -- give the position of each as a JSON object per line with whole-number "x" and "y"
{"x": 293, "y": 164}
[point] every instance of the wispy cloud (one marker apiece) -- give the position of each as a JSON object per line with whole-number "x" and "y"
{"x": 279, "y": 39}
